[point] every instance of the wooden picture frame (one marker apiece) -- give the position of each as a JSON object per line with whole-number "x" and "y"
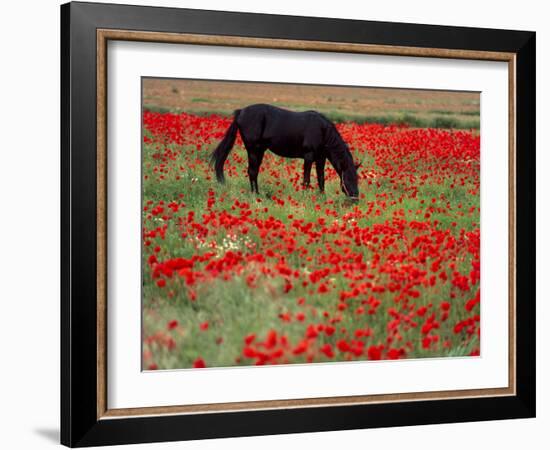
{"x": 85, "y": 416}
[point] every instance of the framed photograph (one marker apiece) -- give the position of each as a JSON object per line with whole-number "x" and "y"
{"x": 276, "y": 224}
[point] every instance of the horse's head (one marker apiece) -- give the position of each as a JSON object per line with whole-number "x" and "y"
{"x": 349, "y": 182}
{"x": 339, "y": 155}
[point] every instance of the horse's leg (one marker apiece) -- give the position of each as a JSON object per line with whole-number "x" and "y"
{"x": 320, "y": 169}
{"x": 255, "y": 157}
{"x": 307, "y": 171}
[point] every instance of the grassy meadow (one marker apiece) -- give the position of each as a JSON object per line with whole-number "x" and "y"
{"x": 295, "y": 276}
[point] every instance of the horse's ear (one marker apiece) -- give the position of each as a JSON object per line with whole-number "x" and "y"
{"x": 357, "y": 165}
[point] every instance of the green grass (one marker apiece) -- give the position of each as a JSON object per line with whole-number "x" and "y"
{"x": 231, "y": 308}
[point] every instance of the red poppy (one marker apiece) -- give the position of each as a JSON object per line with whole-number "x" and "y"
{"x": 199, "y": 363}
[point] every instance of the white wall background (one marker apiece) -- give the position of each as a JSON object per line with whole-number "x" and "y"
{"x": 29, "y": 229}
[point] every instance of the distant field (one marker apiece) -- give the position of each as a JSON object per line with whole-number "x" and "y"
{"x": 416, "y": 108}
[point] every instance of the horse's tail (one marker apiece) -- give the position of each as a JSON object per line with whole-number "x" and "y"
{"x": 224, "y": 147}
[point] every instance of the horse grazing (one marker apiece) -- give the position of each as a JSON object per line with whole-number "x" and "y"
{"x": 308, "y": 135}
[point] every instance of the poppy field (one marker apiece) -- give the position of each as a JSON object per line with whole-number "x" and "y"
{"x": 291, "y": 275}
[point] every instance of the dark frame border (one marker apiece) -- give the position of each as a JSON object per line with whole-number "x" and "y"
{"x": 79, "y": 423}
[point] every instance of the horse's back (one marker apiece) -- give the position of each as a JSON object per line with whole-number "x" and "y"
{"x": 286, "y": 133}
{"x": 281, "y": 121}
{"x": 274, "y": 114}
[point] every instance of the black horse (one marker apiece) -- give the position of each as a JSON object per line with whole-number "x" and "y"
{"x": 308, "y": 135}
